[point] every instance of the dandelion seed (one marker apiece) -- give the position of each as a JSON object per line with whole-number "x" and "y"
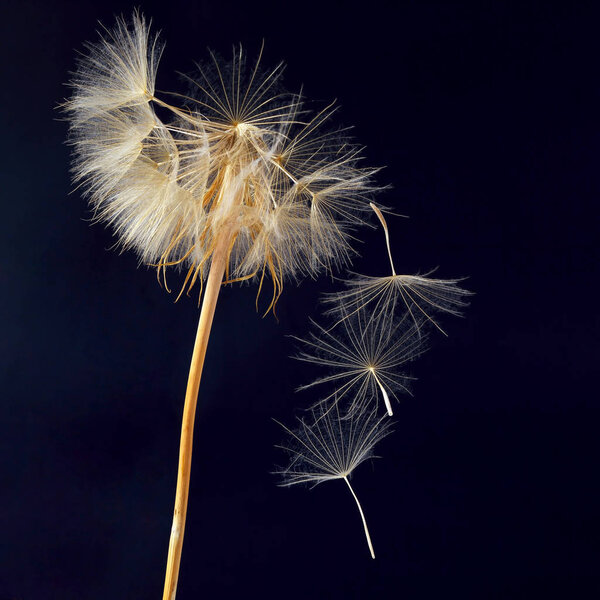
{"x": 364, "y": 355}
{"x": 420, "y": 294}
{"x": 331, "y": 446}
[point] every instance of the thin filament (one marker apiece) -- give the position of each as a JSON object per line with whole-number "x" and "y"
{"x": 387, "y": 235}
{"x": 362, "y": 516}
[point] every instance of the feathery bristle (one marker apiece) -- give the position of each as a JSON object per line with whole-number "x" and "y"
{"x": 331, "y": 444}
{"x": 364, "y": 354}
{"x": 420, "y": 295}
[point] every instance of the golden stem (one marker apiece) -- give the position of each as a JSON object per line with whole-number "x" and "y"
{"x": 209, "y": 302}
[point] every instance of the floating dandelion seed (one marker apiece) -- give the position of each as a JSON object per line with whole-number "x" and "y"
{"x": 238, "y": 183}
{"x": 331, "y": 446}
{"x": 419, "y": 293}
{"x": 364, "y": 353}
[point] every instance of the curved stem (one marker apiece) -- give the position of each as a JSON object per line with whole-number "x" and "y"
{"x": 209, "y": 302}
{"x": 362, "y": 516}
{"x": 387, "y": 234}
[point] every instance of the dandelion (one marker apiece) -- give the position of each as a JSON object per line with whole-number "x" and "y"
{"x": 364, "y": 354}
{"x": 239, "y": 182}
{"x": 419, "y": 293}
{"x": 241, "y": 175}
{"x": 331, "y": 446}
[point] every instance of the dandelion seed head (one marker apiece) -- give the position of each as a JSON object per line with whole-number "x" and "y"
{"x": 365, "y": 356}
{"x": 236, "y": 156}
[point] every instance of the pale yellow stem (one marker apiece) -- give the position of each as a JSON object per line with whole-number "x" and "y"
{"x": 209, "y": 302}
{"x": 387, "y": 234}
{"x": 362, "y": 516}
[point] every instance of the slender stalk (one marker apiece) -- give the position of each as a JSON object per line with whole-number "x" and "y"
{"x": 209, "y": 302}
{"x": 362, "y": 516}
{"x": 387, "y": 234}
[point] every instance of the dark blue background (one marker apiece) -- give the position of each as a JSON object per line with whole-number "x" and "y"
{"x": 486, "y": 118}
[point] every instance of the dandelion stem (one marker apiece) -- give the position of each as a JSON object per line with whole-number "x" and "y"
{"x": 209, "y": 302}
{"x": 387, "y": 234}
{"x": 362, "y": 516}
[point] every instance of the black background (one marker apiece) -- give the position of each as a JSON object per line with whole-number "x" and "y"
{"x": 485, "y": 116}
